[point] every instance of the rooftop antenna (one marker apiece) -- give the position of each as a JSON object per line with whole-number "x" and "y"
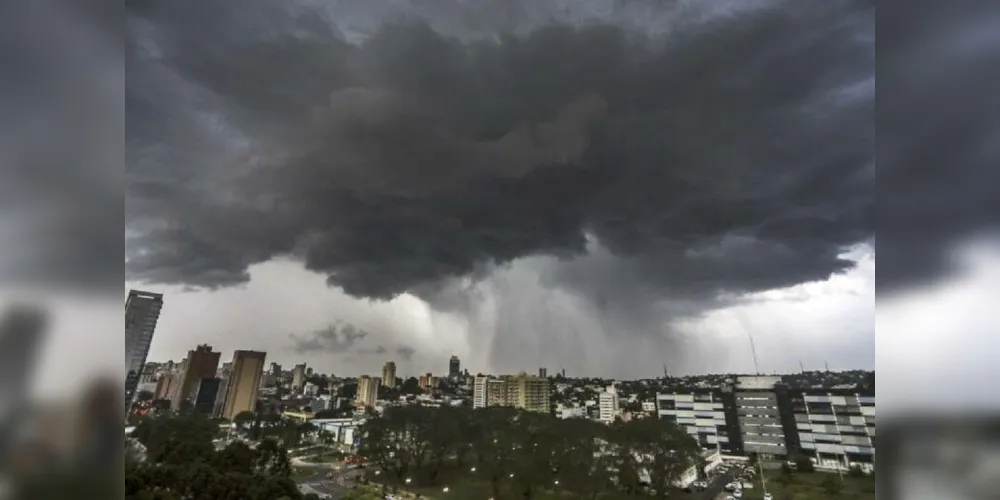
{"x": 753, "y": 348}
{"x": 827, "y": 366}
{"x": 802, "y": 367}
{"x": 666, "y": 372}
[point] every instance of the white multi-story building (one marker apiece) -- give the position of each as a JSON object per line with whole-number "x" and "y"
{"x": 608, "y": 405}
{"x": 480, "y": 390}
{"x": 142, "y": 311}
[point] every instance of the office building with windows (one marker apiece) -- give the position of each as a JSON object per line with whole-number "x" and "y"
{"x": 835, "y": 428}
{"x": 708, "y": 415}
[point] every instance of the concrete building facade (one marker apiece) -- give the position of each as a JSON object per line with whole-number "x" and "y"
{"x": 142, "y": 311}
{"x": 246, "y": 371}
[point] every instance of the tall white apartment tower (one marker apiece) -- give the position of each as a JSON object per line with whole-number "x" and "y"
{"x": 608, "y": 405}
{"x": 142, "y": 310}
{"x": 479, "y": 392}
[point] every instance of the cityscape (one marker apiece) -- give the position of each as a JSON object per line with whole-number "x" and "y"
{"x": 820, "y": 420}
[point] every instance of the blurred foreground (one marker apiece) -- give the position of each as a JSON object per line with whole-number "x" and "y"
{"x": 58, "y": 449}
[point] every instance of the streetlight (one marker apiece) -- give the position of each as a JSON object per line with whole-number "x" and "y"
{"x": 445, "y": 489}
{"x": 408, "y": 480}
{"x": 472, "y": 469}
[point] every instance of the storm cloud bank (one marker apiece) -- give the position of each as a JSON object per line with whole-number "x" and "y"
{"x": 728, "y": 153}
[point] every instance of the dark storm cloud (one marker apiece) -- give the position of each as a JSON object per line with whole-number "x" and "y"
{"x": 60, "y": 144}
{"x": 939, "y": 170}
{"x": 406, "y": 352}
{"x": 731, "y": 155}
{"x": 337, "y": 338}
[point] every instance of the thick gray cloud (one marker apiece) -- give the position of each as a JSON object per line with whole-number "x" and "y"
{"x": 337, "y": 338}
{"x": 729, "y": 155}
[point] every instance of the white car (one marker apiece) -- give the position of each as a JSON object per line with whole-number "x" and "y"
{"x": 768, "y": 496}
{"x": 738, "y": 494}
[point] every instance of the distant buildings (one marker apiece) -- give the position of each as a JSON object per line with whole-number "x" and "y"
{"x": 428, "y": 382}
{"x": 244, "y": 383}
{"x": 389, "y": 375}
{"x": 543, "y": 372}
{"x": 607, "y": 403}
{"x": 298, "y": 378}
{"x": 454, "y": 367}
{"x": 142, "y": 311}
{"x": 519, "y": 391}
{"x": 367, "y": 392}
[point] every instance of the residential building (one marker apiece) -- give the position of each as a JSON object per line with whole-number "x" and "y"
{"x": 142, "y": 311}
{"x": 480, "y": 390}
{"x": 298, "y": 378}
{"x": 275, "y": 370}
{"x": 454, "y": 367}
{"x": 207, "y": 394}
{"x": 496, "y": 392}
{"x": 244, "y": 383}
{"x": 428, "y": 382}
{"x": 529, "y": 393}
{"x": 202, "y": 363}
{"x": 708, "y": 415}
{"x": 607, "y": 403}
{"x": 165, "y": 385}
{"x": 389, "y": 375}
{"x": 367, "y": 392}
{"x": 834, "y": 428}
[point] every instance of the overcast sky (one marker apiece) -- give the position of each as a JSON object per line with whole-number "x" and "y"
{"x": 595, "y": 185}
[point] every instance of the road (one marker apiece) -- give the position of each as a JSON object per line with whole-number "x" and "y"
{"x": 343, "y": 479}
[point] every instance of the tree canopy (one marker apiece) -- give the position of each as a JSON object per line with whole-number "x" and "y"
{"x": 522, "y": 455}
{"x": 183, "y": 463}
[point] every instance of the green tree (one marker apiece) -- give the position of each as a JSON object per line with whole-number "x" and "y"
{"x": 659, "y": 448}
{"x": 492, "y": 440}
{"x": 272, "y": 459}
{"x": 580, "y": 458}
{"x": 804, "y": 464}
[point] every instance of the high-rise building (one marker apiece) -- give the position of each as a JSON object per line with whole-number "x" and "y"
{"x": 207, "y": 395}
{"x": 220, "y": 397}
{"x": 275, "y": 369}
{"x": 607, "y": 404}
{"x": 760, "y": 419}
{"x": 367, "y": 392}
{"x": 480, "y": 391}
{"x": 244, "y": 383}
{"x": 389, "y": 375}
{"x": 496, "y": 392}
{"x": 529, "y": 393}
{"x": 142, "y": 311}
{"x": 299, "y": 377}
{"x": 543, "y": 372}
{"x": 202, "y": 363}
{"x": 454, "y": 367}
